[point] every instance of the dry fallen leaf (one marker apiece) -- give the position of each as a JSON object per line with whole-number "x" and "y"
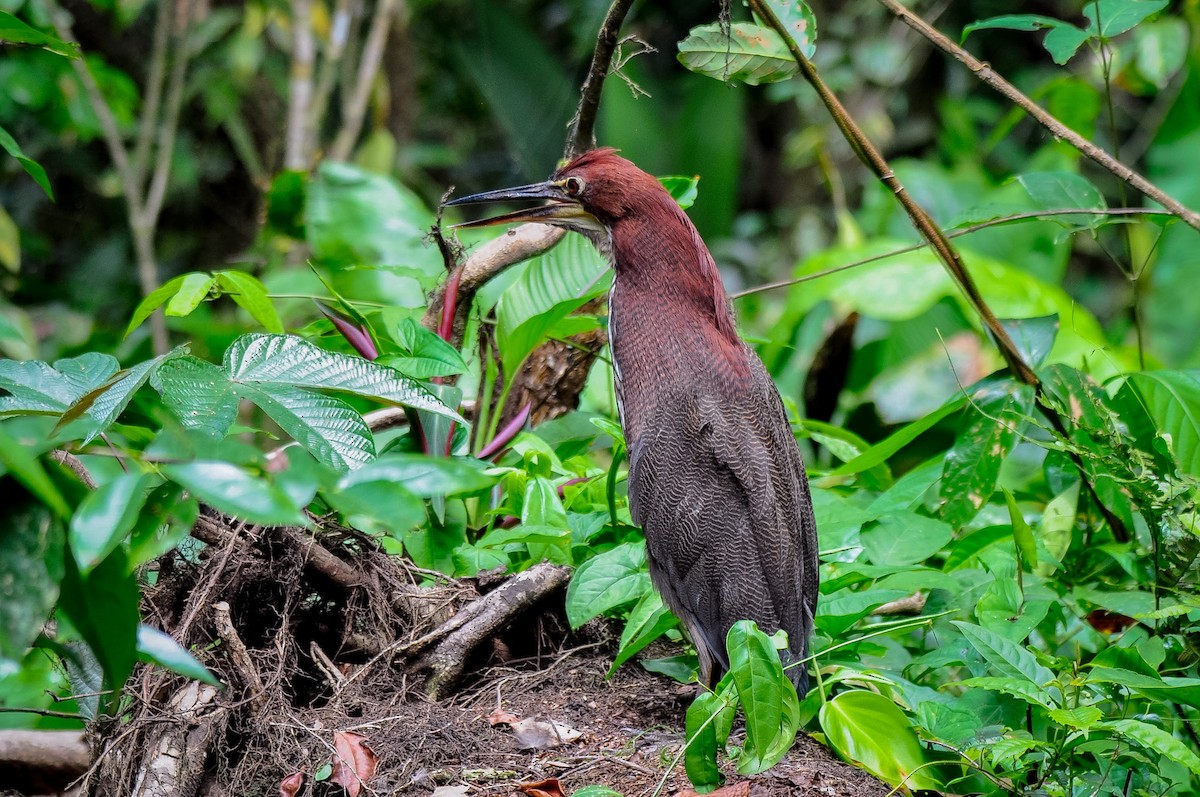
{"x": 450, "y": 791}
{"x": 534, "y": 733}
{"x": 544, "y": 788}
{"x": 292, "y": 784}
{"x": 354, "y": 762}
{"x": 501, "y": 717}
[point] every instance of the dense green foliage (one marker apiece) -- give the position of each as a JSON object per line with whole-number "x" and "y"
{"x": 1050, "y": 534}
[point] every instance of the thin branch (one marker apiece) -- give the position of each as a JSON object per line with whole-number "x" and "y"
{"x": 156, "y": 75}
{"x": 368, "y": 70}
{"x": 583, "y": 126}
{"x": 300, "y": 87}
{"x": 1032, "y": 215}
{"x": 871, "y": 157}
{"x": 169, "y": 124}
{"x": 327, "y": 70}
{"x": 1044, "y": 118}
{"x": 75, "y": 465}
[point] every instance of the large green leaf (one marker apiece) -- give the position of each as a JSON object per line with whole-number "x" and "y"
{"x": 36, "y": 387}
{"x": 983, "y": 442}
{"x": 905, "y": 538}
{"x": 103, "y": 607}
{"x": 1008, "y": 658}
{"x": 748, "y": 53}
{"x": 707, "y": 724}
{"x": 251, "y": 296}
{"x": 105, "y": 517}
{"x": 1156, "y": 739}
{"x": 868, "y": 729}
{"x": 235, "y": 491}
{"x": 328, "y": 428}
{"x": 199, "y": 393}
{"x": 158, "y": 648}
{"x": 649, "y": 620}
{"x": 423, "y": 475}
{"x": 1172, "y": 398}
{"x": 768, "y": 698}
{"x": 106, "y": 403}
{"x": 549, "y": 288}
{"x": 31, "y": 567}
{"x": 611, "y": 579}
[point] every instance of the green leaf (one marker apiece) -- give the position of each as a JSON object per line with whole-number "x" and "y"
{"x": 234, "y": 491}
{"x": 155, "y": 647}
{"x": 355, "y": 217}
{"x": 25, "y": 467}
{"x": 1024, "y": 22}
{"x": 551, "y": 287}
{"x": 378, "y": 506}
{"x": 192, "y": 290}
{"x": 155, "y": 298}
{"x": 199, "y": 394}
{"x": 1056, "y": 526}
{"x": 595, "y": 791}
{"x": 1118, "y": 16}
{"x": 1061, "y": 191}
{"x": 707, "y": 725}
{"x": 1034, "y": 337}
{"x": 103, "y": 607}
{"x": 14, "y": 30}
{"x": 1172, "y": 398}
{"x": 424, "y": 476}
{"x": 1156, "y": 739}
{"x": 31, "y": 567}
{"x": 425, "y": 354}
{"x": 799, "y": 22}
{"x": 251, "y": 296}
{"x": 649, "y": 620}
{"x": 166, "y": 520}
{"x": 32, "y": 167}
{"x": 327, "y": 427}
{"x": 868, "y": 729}
{"x": 106, "y": 403}
{"x": 1081, "y": 718}
{"x": 683, "y": 190}
{"x": 1007, "y": 658}
{"x": 905, "y": 538}
{"x": 1022, "y": 534}
{"x": 34, "y": 387}
{"x": 984, "y": 440}
{"x": 767, "y": 696}
{"x": 607, "y": 581}
{"x": 1017, "y": 687}
{"x": 750, "y": 54}
{"x": 105, "y": 517}
{"x": 287, "y": 360}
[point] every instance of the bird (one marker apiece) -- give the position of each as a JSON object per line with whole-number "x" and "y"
{"x": 716, "y": 480}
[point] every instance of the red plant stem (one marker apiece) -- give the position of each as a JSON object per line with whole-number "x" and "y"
{"x": 449, "y": 305}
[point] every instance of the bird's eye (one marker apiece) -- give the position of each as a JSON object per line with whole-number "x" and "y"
{"x": 574, "y": 186}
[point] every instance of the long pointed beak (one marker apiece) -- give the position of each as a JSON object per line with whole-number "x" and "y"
{"x": 560, "y": 209}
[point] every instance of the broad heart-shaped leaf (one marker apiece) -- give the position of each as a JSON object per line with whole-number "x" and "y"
{"x": 549, "y": 288}
{"x": 1007, "y": 658}
{"x": 1172, "y": 398}
{"x": 1154, "y": 738}
{"x": 357, "y": 218}
{"x": 984, "y": 440}
{"x": 868, "y": 728}
{"x": 35, "y": 387}
{"x": 158, "y": 648}
{"x": 1118, "y": 16}
{"x": 768, "y": 697}
{"x": 750, "y": 54}
{"x": 905, "y": 538}
{"x": 614, "y": 578}
{"x": 31, "y": 567}
{"x": 236, "y": 492}
{"x": 329, "y": 428}
{"x": 199, "y": 393}
{"x": 104, "y": 518}
{"x": 1063, "y": 40}
{"x": 284, "y": 359}
{"x": 424, "y": 353}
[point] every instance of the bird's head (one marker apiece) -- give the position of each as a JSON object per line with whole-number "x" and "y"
{"x": 590, "y": 194}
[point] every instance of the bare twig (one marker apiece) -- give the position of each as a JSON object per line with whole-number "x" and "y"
{"x": 327, "y": 71}
{"x": 583, "y": 136}
{"x": 223, "y": 623}
{"x": 1044, "y": 118}
{"x": 300, "y": 87}
{"x": 368, "y": 69}
{"x": 74, "y": 464}
{"x": 874, "y": 160}
{"x": 154, "y": 87}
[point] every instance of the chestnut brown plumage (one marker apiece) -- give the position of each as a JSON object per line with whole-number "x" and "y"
{"x": 715, "y": 477}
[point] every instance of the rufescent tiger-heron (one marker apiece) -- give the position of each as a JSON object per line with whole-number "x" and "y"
{"x": 715, "y": 477}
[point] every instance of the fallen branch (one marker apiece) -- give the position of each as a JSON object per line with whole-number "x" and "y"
{"x": 42, "y": 762}
{"x": 175, "y": 763}
{"x": 480, "y": 620}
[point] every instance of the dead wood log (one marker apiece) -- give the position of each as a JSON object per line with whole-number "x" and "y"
{"x": 42, "y": 762}
{"x": 479, "y": 621}
{"x": 175, "y": 762}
